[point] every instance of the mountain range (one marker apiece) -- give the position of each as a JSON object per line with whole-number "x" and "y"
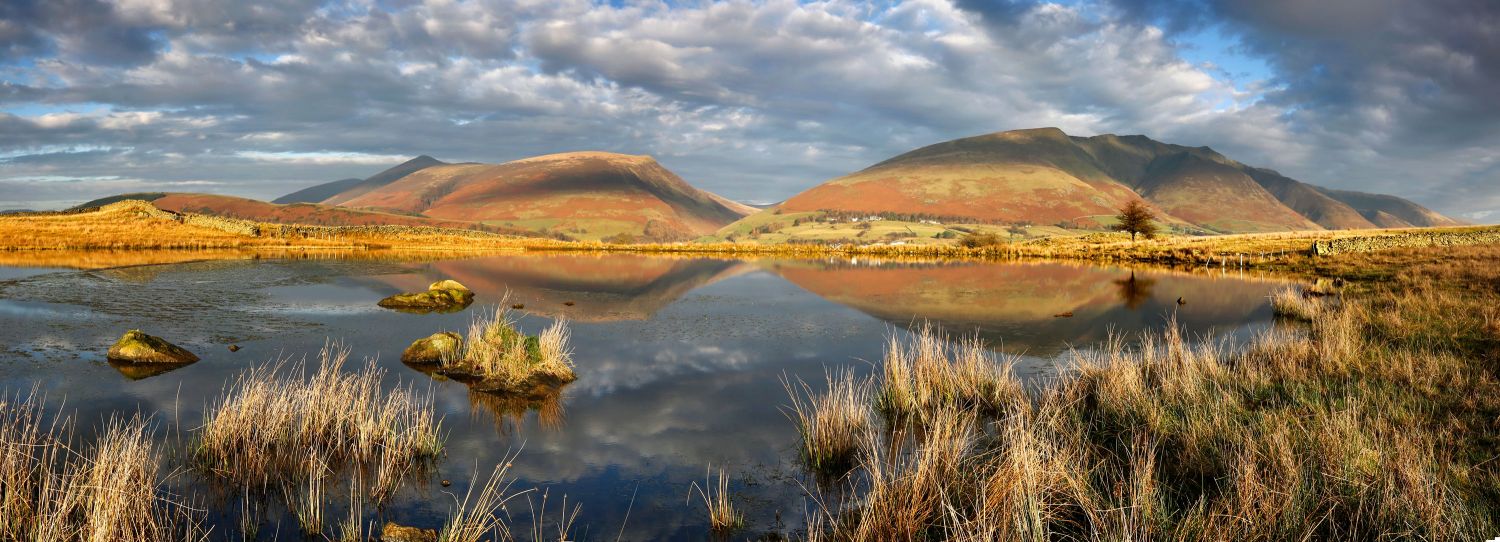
{"x": 1037, "y": 176}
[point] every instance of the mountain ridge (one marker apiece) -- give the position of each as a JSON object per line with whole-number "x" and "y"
{"x": 1045, "y": 176}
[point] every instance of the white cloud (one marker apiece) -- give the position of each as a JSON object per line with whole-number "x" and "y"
{"x": 752, "y": 99}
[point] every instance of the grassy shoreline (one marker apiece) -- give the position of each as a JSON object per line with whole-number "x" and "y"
{"x": 137, "y": 225}
{"x": 1374, "y": 418}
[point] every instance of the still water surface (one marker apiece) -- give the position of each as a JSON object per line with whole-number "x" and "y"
{"x": 680, "y": 360}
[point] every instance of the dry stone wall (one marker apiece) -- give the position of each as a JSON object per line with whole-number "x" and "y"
{"x": 1371, "y": 243}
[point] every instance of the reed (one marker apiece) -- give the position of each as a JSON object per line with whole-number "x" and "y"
{"x": 831, "y": 424}
{"x": 1371, "y": 421}
{"x": 928, "y": 372}
{"x": 1293, "y": 304}
{"x": 723, "y": 517}
{"x": 271, "y": 419}
{"x": 111, "y": 491}
{"x": 479, "y": 516}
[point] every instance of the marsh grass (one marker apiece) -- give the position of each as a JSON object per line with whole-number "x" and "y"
{"x": 271, "y": 421}
{"x": 928, "y": 373}
{"x": 504, "y": 359}
{"x": 831, "y": 424}
{"x": 110, "y": 491}
{"x": 723, "y": 517}
{"x": 1372, "y": 421}
{"x": 1293, "y": 303}
{"x": 480, "y": 516}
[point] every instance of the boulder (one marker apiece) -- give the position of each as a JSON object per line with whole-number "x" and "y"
{"x": 137, "y": 347}
{"x": 434, "y": 348}
{"x": 441, "y": 296}
{"x": 392, "y": 532}
{"x": 448, "y": 284}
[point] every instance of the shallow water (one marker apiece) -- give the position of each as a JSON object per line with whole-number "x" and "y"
{"x": 680, "y": 360}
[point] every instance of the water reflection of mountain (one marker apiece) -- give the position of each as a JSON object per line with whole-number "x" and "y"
{"x": 600, "y": 287}
{"x": 1017, "y": 307}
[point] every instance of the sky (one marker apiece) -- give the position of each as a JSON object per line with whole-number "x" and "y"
{"x": 755, "y": 100}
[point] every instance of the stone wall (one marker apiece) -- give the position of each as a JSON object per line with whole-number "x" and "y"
{"x": 1371, "y": 243}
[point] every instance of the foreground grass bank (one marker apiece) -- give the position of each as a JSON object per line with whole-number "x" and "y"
{"x": 1375, "y": 419}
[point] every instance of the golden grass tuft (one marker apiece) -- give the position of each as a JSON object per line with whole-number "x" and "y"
{"x": 1372, "y": 421}
{"x": 271, "y": 421}
{"x": 110, "y": 492}
{"x": 831, "y": 424}
{"x": 723, "y": 517}
{"x": 1294, "y": 304}
{"x": 928, "y": 372}
{"x": 504, "y": 359}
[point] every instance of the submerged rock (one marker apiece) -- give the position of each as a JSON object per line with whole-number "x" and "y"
{"x": 392, "y": 532}
{"x": 434, "y": 348}
{"x": 137, "y": 347}
{"x": 441, "y": 296}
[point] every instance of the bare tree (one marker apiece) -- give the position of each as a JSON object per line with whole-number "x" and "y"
{"x": 1137, "y": 218}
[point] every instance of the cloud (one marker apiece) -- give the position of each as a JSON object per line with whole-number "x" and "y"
{"x": 755, "y": 100}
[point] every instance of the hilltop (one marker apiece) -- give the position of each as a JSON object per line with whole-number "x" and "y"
{"x": 1044, "y": 177}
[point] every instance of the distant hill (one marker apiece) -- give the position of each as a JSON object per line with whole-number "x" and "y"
{"x": 260, "y": 211}
{"x": 1044, "y": 176}
{"x": 317, "y": 193}
{"x": 588, "y": 195}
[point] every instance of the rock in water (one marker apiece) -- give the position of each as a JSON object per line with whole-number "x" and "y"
{"x": 392, "y": 532}
{"x": 434, "y": 348}
{"x": 443, "y": 295}
{"x": 449, "y": 284}
{"x": 137, "y": 347}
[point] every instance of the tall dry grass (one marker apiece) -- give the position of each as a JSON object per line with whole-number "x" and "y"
{"x": 929, "y": 373}
{"x": 831, "y": 424}
{"x": 496, "y": 351}
{"x": 110, "y": 491}
{"x": 1371, "y": 421}
{"x": 718, "y": 502}
{"x": 272, "y": 420}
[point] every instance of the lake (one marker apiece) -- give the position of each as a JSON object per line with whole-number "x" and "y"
{"x": 680, "y": 361}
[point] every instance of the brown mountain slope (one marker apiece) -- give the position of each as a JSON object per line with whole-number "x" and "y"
{"x": 588, "y": 195}
{"x": 335, "y": 194}
{"x": 1044, "y": 176}
{"x": 1026, "y": 175}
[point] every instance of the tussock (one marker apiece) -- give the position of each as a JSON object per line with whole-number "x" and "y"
{"x": 504, "y": 359}
{"x": 831, "y": 424}
{"x": 1293, "y": 304}
{"x": 271, "y": 420}
{"x": 1325, "y": 431}
{"x": 111, "y": 491}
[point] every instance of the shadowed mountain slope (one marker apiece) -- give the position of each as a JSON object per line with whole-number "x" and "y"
{"x": 314, "y": 194}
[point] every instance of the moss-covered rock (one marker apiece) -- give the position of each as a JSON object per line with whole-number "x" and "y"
{"x": 137, "y": 347}
{"x": 434, "y": 348}
{"x": 441, "y": 296}
{"x": 392, "y": 532}
{"x": 448, "y": 284}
